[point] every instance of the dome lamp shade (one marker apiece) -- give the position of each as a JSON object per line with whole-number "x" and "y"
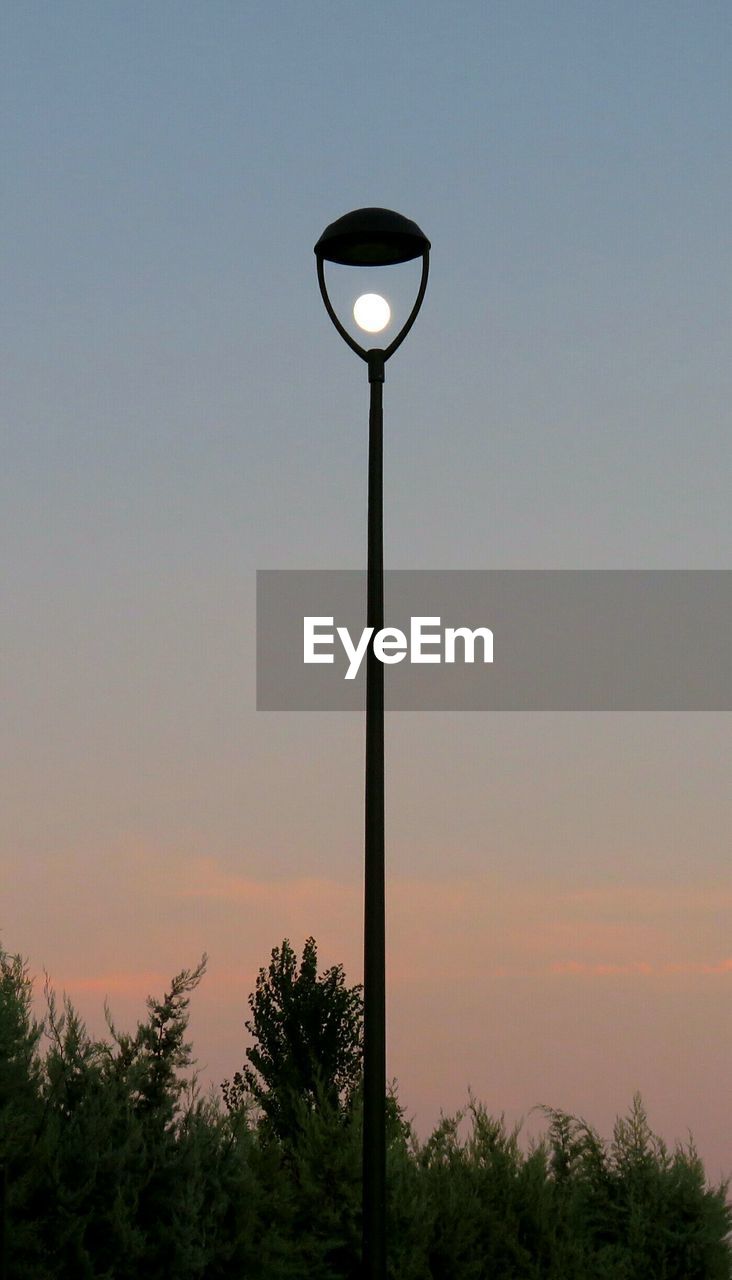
{"x": 372, "y": 238}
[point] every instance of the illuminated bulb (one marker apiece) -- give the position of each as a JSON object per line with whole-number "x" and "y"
{"x": 371, "y": 312}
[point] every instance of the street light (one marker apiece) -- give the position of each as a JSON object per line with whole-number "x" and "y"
{"x": 374, "y": 238}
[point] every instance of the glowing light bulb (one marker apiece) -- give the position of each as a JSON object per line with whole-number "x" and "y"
{"x": 371, "y": 312}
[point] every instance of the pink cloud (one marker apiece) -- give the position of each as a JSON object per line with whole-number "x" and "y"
{"x": 125, "y": 984}
{"x": 453, "y": 929}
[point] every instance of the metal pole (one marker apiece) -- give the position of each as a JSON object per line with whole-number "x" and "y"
{"x": 374, "y": 1071}
{"x": 3, "y": 1221}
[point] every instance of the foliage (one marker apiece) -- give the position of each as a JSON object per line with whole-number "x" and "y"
{"x": 21, "y": 1114}
{"x": 633, "y": 1208}
{"x": 308, "y": 1040}
{"x": 119, "y": 1168}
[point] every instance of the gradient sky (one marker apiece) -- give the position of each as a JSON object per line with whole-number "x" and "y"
{"x": 178, "y": 412}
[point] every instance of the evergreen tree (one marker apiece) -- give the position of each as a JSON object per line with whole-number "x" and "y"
{"x": 21, "y": 1119}
{"x": 116, "y": 1202}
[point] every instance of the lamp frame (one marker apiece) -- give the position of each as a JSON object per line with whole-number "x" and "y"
{"x": 364, "y": 352}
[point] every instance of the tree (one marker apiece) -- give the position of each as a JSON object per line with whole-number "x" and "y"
{"x": 21, "y": 1116}
{"x": 308, "y": 1033}
{"x": 631, "y": 1208}
{"x": 118, "y": 1201}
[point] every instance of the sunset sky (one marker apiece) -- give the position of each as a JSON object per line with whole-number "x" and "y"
{"x": 178, "y": 412}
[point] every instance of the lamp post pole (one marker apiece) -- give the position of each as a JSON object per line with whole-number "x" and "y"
{"x": 374, "y": 238}
{"x": 374, "y": 1067}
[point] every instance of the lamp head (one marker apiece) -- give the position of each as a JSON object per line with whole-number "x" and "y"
{"x": 372, "y": 238}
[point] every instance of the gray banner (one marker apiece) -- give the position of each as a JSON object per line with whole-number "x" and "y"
{"x": 562, "y": 640}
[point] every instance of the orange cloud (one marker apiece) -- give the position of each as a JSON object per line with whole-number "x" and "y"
{"x": 126, "y": 984}
{"x": 453, "y": 929}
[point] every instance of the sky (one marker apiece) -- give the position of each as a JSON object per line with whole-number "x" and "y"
{"x": 177, "y": 412}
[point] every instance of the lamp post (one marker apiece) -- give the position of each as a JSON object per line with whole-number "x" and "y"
{"x": 374, "y": 238}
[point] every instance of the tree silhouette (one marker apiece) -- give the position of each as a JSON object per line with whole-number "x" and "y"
{"x": 117, "y": 1167}
{"x": 308, "y": 1033}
